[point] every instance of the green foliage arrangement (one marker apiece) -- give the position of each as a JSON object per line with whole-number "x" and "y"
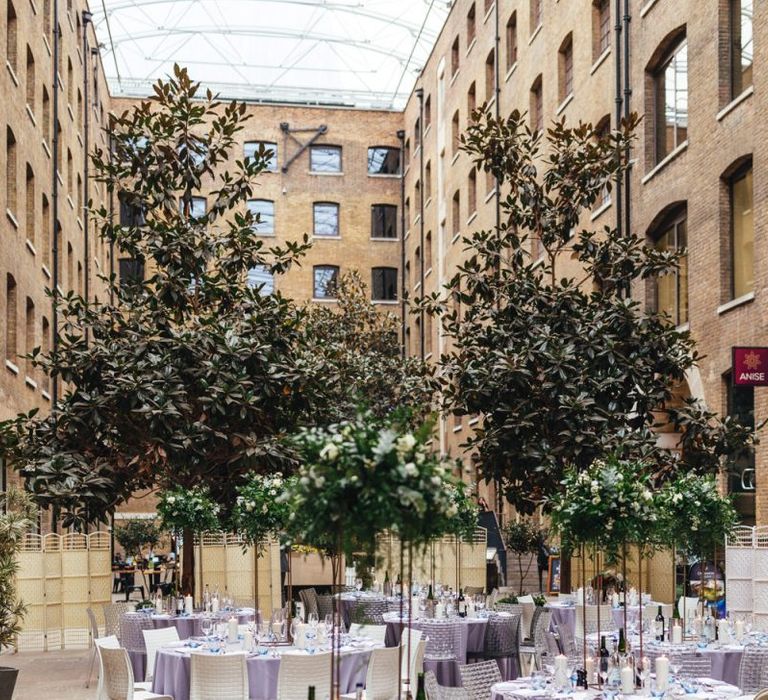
{"x": 545, "y": 343}
{"x": 137, "y": 534}
{"x": 608, "y": 505}
{"x": 695, "y": 516}
{"x": 19, "y": 513}
{"x": 190, "y": 510}
{"x": 364, "y": 476}
{"x": 258, "y": 512}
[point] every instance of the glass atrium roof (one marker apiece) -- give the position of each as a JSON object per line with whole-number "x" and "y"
{"x": 365, "y": 53}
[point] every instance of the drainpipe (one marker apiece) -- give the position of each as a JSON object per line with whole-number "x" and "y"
{"x": 618, "y": 100}
{"x": 497, "y": 93}
{"x": 627, "y": 95}
{"x": 55, "y": 207}
{"x": 403, "y": 290}
{"x": 422, "y": 336}
{"x": 87, "y": 17}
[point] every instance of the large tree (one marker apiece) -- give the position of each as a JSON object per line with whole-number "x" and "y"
{"x": 189, "y": 375}
{"x": 561, "y": 363}
{"x": 354, "y": 352}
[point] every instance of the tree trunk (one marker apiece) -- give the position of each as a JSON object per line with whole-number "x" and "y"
{"x": 188, "y": 563}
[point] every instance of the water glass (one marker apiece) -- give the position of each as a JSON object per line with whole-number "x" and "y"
{"x": 359, "y": 584}
{"x": 206, "y": 625}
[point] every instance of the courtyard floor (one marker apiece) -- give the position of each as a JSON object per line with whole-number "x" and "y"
{"x": 53, "y": 675}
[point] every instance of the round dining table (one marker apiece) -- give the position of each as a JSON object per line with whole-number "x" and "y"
{"x": 564, "y": 614}
{"x": 173, "y": 664}
{"x": 133, "y": 623}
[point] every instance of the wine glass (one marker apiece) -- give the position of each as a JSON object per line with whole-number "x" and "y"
{"x": 206, "y": 625}
{"x": 674, "y": 667}
{"x": 359, "y": 584}
{"x": 312, "y": 619}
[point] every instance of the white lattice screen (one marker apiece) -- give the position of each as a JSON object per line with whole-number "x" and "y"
{"x": 746, "y": 567}
{"x": 451, "y": 561}
{"x": 59, "y": 577}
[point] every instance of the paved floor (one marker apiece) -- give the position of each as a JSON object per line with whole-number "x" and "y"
{"x": 53, "y": 675}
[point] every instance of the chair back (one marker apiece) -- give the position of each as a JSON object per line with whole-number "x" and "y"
{"x": 110, "y": 642}
{"x": 539, "y": 634}
{"x": 502, "y": 636}
{"x": 567, "y": 640}
{"x": 443, "y": 640}
{"x": 221, "y": 677}
{"x": 478, "y": 678}
{"x": 511, "y": 608}
{"x": 298, "y": 672}
{"x": 553, "y": 649}
{"x": 368, "y": 612}
{"x": 132, "y": 627}
{"x": 430, "y": 686}
{"x": 324, "y": 606}
{"x": 416, "y": 662}
{"x": 528, "y": 612}
{"x": 381, "y": 678}
{"x": 92, "y": 624}
{"x": 309, "y": 598}
{"x": 698, "y": 665}
{"x": 112, "y": 613}
{"x": 754, "y": 660}
{"x": 376, "y": 632}
{"x": 153, "y": 640}
{"x": 117, "y": 672}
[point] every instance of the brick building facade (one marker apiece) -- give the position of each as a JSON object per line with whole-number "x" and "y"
{"x": 692, "y": 181}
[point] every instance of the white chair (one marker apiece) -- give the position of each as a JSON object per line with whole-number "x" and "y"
{"x": 381, "y": 677}
{"x": 416, "y": 665}
{"x": 95, "y": 634}
{"x": 108, "y": 642}
{"x": 221, "y": 677}
{"x": 153, "y": 640}
{"x": 375, "y": 632}
{"x": 118, "y": 677}
{"x": 529, "y": 608}
{"x": 297, "y": 673}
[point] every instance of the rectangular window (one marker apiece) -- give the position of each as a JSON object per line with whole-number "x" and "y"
{"x": 262, "y": 149}
{"x": 11, "y": 38}
{"x": 456, "y": 214}
{"x": 326, "y": 219}
{"x": 384, "y": 284}
{"x": 325, "y": 159}
{"x": 383, "y": 221}
{"x": 326, "y": 279}
{"x": 261, "y": 279}
{"x": 511, "y": 36}
{"x": 472, "y": 192}
{"x": 742, "y": 234}
{"x": 428, "y": 181}
{"x": 427, "y": 112}
{"x": 566, "y": 68}
{"x": 130, "y": 214}
{"x": 264, "y": 209}
{"x": 197, "y": 207}
{"x": 490, "y": 76}
{"x": 31, "y": 85}
{"x": 455, "y": 57}
{"x": 603, "y": 33}
{"x": 741, "y": 479}
{"x": 30, "y": 223}
{"x": 130, "y": 271}
{"x": 471, "y": 24}
{"x": 471, "y": 100}
{"x": 455, "y": 133}
{"x": 11, "y": 350}
{"x": 384, "y": 160}
{"x": 10, "y": 171}
{"x": 537, "y": 106}
{"x": 672, "y": 102}
{"x": 740, "y": 17}
{"x": 535, "y": 15}
{"x": 428, "y": 251}
{"x": 672, "y": 288}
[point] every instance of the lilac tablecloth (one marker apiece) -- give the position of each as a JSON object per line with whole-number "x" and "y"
{"x": 472, "y": 631}
{"x": 172, "y": 674}
{"x": 132, "y": 624}
{"x": 565, "y": 615}
{"x": 725, "y": 659}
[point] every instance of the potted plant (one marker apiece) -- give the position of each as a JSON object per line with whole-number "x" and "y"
{"x": 18, "y": 515}
{"x": 524, "y": 539}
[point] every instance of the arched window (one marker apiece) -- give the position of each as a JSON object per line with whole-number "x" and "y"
{"x": 670, "y": 291}
{"x": 669, "y": 76}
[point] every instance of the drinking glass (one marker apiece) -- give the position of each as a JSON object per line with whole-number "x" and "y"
{"x": 359, "y": 584}
{"x": 312, "y": 619}
{"x": 206, "y": 625}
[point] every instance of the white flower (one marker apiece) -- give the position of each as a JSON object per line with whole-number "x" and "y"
{"x": 596, "y": 500}
{"x": 453, "y": 511}
{"x": 330, "y": 452}
{"x": 436, "y": 481}
{"x": 171, "y": 499}
{"x": 405, "y": 443}
{"x": 319, "y": 481}
{"x": 647, "y": 495}
{"x": 264, "y": 509}
{"x": 411, "y": 469}
{"x": 677, "y": 498}
{"x": 249, "y": 507}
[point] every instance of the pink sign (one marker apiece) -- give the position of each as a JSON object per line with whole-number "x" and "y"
{"x": 750, "y": 366}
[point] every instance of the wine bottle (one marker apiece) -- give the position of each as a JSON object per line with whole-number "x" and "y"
{"x": 420, "y": 692}
{"x": 311, "y": 693}
{"x": 461, "y": 604}
{"x": 622, "y": 648}
{"x": 359, "y": 692}
{"x": 658, "y": 626}
{"x": 604, "y": 655}
{"x": 430, "y": 594}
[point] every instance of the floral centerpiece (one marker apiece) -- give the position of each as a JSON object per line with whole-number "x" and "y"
{"x": 185, "y": 508}
{"x": 608, "y": 505}
{"x": 696, "y": 516}
{"x": 258, "y": 512}
{"x": 363, "y": 476}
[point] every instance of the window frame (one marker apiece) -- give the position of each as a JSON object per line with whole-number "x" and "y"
{"x": 389, "y": 208}
{"x": 659, "y": 93}
{"x": 327, "y": 147}
{"x": 261, "y": 286}
{"x": 337, "y": 208}
{"x": 738, "y": 174}
{"x": 315, "y": 270}
{"x": 673, "y": 222}
{"x": 397, "y": 150}
{"x": 737, "y": 87}
{"x": 385, "y": 284}
{"x": 270, "y": 146}
{"x": 256, "y": 227}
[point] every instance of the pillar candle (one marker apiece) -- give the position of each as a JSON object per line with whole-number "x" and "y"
{"x": 188, "y": 605}
{"x": 300, "y": 640}
{"x": 739, "y": 629}
{"x": 561, "y": 671}
{"x": 247, "y": 640}
{"x": 662, "y": 672}
{"x": 723, "y": 631}
{"x": 277, "y": 628}
{"x": 627, "y": 681}
{"x": 439, "y": 610}
{"x": 159, "y": 605}
{"x": 215, "y": 605}
{"x": 590, "y": 670}
{"x": 232, "y": 630}
{"x": 677, "y": 634}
